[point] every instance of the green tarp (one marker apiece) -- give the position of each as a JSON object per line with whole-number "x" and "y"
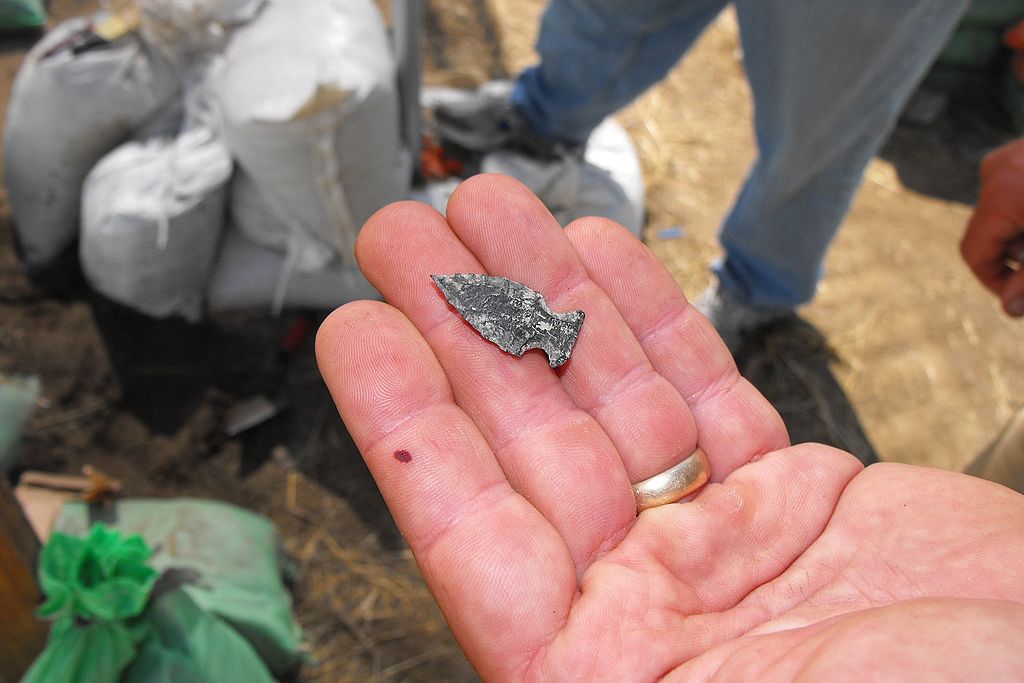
{"x": 180, "y": 590}
{"x": 21, "y": 14}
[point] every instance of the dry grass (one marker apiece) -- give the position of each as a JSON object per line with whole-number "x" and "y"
{"x": 365, "y": 611}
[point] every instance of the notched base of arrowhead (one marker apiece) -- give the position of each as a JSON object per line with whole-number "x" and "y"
{"x": 512, "y": 315}
{"x": 559, "y": 343}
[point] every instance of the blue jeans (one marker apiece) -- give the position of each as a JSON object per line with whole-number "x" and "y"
{"x": 829, "y": 79}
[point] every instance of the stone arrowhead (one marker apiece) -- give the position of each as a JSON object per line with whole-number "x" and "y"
{"x": 511, "y": 315}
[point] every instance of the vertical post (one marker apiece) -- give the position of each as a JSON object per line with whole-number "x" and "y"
{"x": 406, "y": 20}
{"x": 22, "y": 636}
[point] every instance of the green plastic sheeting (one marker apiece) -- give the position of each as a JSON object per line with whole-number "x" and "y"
{"x": 191, "y": 645}
{"x": 994, "y": 13}
{"x": 164, "y": 591}
{"x": 19, "y": 14}
{"x": 97, "y": 653}
{"x": 102, "y": 577}
{"x": 232, "y": 554}
{"x": 94, "y": 586}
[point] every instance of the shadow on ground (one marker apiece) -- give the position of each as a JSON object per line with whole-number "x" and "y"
{"x": 790, "y": 363}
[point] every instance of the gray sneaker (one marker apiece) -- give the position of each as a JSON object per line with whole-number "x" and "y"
{"x": 485, "y": 120}
{"x": 735, "y": 320}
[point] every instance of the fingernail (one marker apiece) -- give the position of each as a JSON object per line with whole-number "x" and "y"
{"x": 1015, "y": 307}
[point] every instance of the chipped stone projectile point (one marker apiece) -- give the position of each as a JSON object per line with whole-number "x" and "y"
{"x": 511, "y": 315}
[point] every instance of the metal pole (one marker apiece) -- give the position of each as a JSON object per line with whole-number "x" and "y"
{"x": 406, "y": 21}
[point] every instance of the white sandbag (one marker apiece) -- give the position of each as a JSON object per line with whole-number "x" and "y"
{"x": 310, "y": 112}
{"x": 186, "y": 29}
{"x": 266, "y": 264}
{"x": 153, "y": 214}
{"x": 65, "y": 112}
{"x": 251, "y": 213}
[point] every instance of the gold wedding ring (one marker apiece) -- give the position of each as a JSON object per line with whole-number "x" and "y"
{"x": 673, "y": 484}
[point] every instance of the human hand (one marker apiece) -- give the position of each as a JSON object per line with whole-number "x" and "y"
{"x": 511, "y": 482}
{"x": 993, "y": 245}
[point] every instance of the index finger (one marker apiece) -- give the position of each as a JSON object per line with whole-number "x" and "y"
{"x": 490, "y": 558}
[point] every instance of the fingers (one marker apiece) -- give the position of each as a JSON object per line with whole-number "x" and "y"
{"x": 992, "y": 243}
{"x": 1013, "y": 37}
{"x": 489, "y": 557}
{"x": 991, "y": 247}
{"x": 992, "y": 227}
{"x": 1012, "y": 296}
{"x": 734, "y": 422}
{"x": 552, "y": 452}
{"x": 609, "y": 377}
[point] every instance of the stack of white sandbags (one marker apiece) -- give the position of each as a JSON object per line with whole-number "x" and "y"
{"x": 297, "y": 99}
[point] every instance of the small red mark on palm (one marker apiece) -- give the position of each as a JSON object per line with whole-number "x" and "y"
{"x": 403, "y": 456}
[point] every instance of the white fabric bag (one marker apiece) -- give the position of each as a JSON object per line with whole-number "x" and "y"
{"x": 153, "y": 215}
{"x": 310, "y": 113}
{"x": 65, "y": 112}
{"x": 250, "y": 276}
{"x": 184, "y": 30}
{"x": 252, "y": 215}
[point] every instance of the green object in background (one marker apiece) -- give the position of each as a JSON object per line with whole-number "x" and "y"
{"x": 97, "y": 653}
{"x": 17, "y": 399}
{"x": 102, "y": 577}
{"x": 21, "y": 14}
{"x": 95, "y": 587}
{"x": 976, "y": 54}
{"x": 233, "y": 554}
{"x": 973, "y": 46}
{"x": 192, "y": 645}
{"x": 995, "y": 14}
{"x": 218, "y": 613}
{"x": 977, "y": 42}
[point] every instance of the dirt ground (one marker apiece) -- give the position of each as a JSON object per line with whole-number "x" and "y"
{"x": 902, "y": 356}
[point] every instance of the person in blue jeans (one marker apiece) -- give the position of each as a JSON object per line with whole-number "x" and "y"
{"x": 828, "y": 79}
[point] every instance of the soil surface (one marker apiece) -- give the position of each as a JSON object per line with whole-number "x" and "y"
{"x": 902, "y": 356}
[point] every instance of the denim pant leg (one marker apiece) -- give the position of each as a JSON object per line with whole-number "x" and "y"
{"x": 598, "y": 55}
{"x": 829, "y": 80}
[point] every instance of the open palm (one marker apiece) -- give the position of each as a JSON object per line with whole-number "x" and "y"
{"x": 511, "y": 481}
